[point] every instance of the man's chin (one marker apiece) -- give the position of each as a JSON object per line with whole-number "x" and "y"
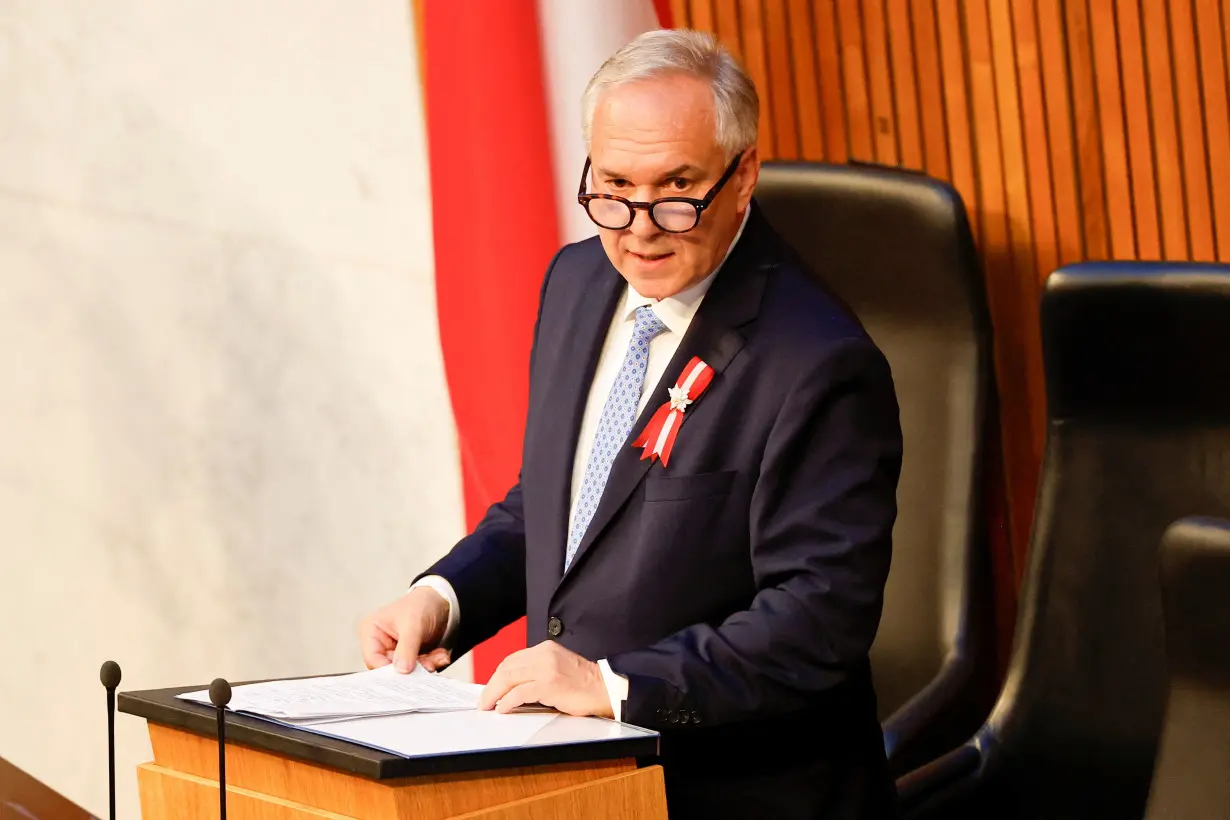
{"x": 656, "y": 279}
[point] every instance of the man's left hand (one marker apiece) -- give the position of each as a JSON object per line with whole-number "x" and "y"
{"x": 551, "y": 675}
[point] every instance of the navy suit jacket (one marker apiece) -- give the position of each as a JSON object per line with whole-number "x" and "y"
{"x": 739, "y": 588}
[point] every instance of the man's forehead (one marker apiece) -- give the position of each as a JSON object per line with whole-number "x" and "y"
{"x": 676, "y": 90}
{"x": 655, "y": 128}
{"x": 673, "y": 107}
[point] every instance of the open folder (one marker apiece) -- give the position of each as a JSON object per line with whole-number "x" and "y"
{"x": 415, "y": 714}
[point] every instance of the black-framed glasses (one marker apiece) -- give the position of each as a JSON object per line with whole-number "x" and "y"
{"x": 673, "y": 214}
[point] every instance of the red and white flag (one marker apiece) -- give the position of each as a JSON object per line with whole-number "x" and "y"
{"x": 502, "y": 99}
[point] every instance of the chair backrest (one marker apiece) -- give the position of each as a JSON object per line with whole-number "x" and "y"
{"x": 1138, "y": 412}
{"x": 896, "y": 247}
{"x": 1192, "y": 776}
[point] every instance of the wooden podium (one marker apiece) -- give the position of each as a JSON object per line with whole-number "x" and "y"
{"x": 581, "y": 768}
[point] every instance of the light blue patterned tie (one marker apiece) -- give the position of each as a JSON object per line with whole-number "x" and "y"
{"x": 618, "y": 416}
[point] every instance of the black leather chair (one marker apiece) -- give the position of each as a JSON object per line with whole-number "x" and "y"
{"x": 1138, "y": 410}
{"x": 1192, "y": 778}
{"x": 896, "y": 246}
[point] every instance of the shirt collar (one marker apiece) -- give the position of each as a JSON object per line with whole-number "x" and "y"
{"x": 676, "y": 311}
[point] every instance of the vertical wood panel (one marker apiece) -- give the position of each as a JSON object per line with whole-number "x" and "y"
{"x": 832, "y": 87}
{"x": 1008, "y": 96}
{"x": 957, "y": 108}
{"x": 726, "y": 18}
{"x": 1036, "y": 143}
{"x": 755, "y": 59}
{"x": 1073, "y": 129}
{"x": 1000, "y": 252}
{"x": 680, "y": 14}
{"x": 1114, "y": 139}
{"x": 703, "y": 18}
{"x": 1030, "y": 204}
{"x": 1139, "y": 136}
{"x": 904, "y": 85}
{"x": 985, "y": 119}
{"x": 1064, "y": 188}
{"x": 931, "y": 103}
{"x": 808, "y": 103}
{"x": 1088, "y": 131}
{"x": 854, "y": 80}
{"x": 781, "y": 87}
{"x": 1225, "y": 43}
{"x": 1169, "y": 177}
{"x": 880, "y": 83}
{"x": 1191, "y": 131}
{"x": 1213, "y": 72}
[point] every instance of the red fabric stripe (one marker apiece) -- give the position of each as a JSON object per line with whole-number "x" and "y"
{"x": 652, "y": 430}
{"x": 495, "y": 230}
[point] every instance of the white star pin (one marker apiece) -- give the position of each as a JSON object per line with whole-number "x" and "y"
{"x": 679, "y": 399}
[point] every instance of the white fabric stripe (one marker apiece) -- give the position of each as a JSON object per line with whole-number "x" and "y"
{"x": 577, "y": 37}
{"x": 666, "y": 431}
{"x": 699, "y": 368}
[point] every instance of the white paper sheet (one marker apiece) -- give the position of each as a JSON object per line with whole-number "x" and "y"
{"x": 375, "y": 692}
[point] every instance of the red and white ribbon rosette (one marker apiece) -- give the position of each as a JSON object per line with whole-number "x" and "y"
{"x": 658, "y": 437}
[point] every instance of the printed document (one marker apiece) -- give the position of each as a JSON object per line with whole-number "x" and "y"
{"x": 382, "y": 691}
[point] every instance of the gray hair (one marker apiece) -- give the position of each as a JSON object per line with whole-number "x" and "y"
{"x": 691, "y": 53}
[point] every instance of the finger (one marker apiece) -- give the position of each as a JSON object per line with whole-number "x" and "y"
{"x": 511, "y": 672}
{"x": 520, "y": 695}
{"x": 376, "y": 645}
{"x": 408, "y": 640}
{"x": 435, "y": 659}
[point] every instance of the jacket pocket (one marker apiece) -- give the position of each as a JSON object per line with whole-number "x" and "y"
{"x": 678, "y": 487}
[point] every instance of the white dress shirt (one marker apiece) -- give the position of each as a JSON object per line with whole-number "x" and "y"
{"x": 676, "y": 312}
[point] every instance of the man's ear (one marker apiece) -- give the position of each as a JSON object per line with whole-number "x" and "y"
{"x": 747, "y": 176}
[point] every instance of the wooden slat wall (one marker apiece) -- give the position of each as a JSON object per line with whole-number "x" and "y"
{"x": 1073, "y": 129}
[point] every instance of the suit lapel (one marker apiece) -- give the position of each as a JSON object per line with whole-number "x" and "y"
{"x": 567, "y": 394}
{"x": 732, "y": 302}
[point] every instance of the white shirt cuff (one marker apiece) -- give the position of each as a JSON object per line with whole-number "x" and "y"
{"x": 616, "y": 688}
{"x": 445, "y": 589}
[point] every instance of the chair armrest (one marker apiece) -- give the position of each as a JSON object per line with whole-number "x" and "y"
{"x": 939, "y": 779}
{"x": 939, "y": 718}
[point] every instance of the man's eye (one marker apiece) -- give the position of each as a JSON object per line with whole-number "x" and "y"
{"x": 680, "y": 184}
{"x": 617, "y": 183}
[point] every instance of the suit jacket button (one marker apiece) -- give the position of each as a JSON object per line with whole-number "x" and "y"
{"x": 555, "y": 627}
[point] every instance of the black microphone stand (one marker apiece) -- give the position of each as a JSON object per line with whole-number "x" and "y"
{"x": 220, "y": 696}
{"x": 109, "y": 674}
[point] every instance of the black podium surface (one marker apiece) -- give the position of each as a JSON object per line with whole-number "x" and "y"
{"x": 582, "y": 740}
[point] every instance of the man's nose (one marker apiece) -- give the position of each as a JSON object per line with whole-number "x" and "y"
{"x": 642, "y": 226}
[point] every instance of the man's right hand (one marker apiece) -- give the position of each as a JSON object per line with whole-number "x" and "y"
{"x": 407, "y": 630}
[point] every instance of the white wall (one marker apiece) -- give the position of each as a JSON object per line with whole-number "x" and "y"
{"x": 224, "y": 427}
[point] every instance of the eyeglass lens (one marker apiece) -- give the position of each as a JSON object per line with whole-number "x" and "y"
{"x": 669, "y": 216}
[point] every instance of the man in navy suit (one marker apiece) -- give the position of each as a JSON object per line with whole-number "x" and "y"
{"x": 702, "y": 528}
